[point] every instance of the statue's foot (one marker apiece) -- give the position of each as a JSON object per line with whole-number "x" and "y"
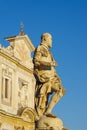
{"x": 50, "y": 115}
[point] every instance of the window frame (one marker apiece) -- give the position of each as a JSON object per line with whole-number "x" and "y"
{"x": 6, "y": 100}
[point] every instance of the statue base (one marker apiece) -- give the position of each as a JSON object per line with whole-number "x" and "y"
{"x": 49, "y": 123}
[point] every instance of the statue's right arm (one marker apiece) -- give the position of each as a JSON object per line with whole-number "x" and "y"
{"x": 38, "y": 58}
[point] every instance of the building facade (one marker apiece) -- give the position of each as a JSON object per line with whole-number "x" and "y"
{"x": 17, "y": 84}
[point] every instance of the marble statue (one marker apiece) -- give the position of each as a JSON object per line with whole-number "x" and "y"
{"x": 47, "y": 81}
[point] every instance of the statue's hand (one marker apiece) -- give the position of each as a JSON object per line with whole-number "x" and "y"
{"x": 54, "y": 63}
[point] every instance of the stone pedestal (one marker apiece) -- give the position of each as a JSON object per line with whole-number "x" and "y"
{"x": 50, "y": 123}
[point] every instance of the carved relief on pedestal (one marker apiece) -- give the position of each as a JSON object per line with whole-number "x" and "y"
{"x": 28, "y": 115}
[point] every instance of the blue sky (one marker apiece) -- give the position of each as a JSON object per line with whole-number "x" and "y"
{"x": 66, "y": 20}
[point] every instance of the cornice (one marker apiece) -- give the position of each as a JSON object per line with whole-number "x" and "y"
{"x": 7, "y": 117}
{"x": 15, "y": 61}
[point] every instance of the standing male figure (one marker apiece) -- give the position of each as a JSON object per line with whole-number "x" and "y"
{"x": 47, "y": 81}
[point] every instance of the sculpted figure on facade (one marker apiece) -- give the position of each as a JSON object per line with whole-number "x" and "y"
{"x": 47, "y": 81}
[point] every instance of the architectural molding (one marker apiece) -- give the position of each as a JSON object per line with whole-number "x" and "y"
{"x": 15, "y": 61}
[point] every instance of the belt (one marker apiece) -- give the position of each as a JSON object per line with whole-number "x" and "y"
{"x": 43, "y": 67}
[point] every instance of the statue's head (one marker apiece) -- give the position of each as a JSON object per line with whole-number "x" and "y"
{"x": 46, "y": 39}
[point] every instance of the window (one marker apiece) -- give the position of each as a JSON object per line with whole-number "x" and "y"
{"x": 6, "y": 88}
{"x": 6, "y": 92}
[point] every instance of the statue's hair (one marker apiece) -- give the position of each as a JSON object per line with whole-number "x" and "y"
{"x": 45, "y": 35}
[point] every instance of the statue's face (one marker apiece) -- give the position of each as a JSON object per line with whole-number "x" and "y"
{"x": 49, "y": 41}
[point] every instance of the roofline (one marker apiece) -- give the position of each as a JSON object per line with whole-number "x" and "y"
{"x": 21, "y": 36}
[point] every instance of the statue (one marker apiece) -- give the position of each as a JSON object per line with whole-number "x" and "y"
{"x": 47, "y": 81}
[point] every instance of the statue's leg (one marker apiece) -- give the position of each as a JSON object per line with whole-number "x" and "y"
{"x": 41, "y": 106}
{"x": 55, "y": 98}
